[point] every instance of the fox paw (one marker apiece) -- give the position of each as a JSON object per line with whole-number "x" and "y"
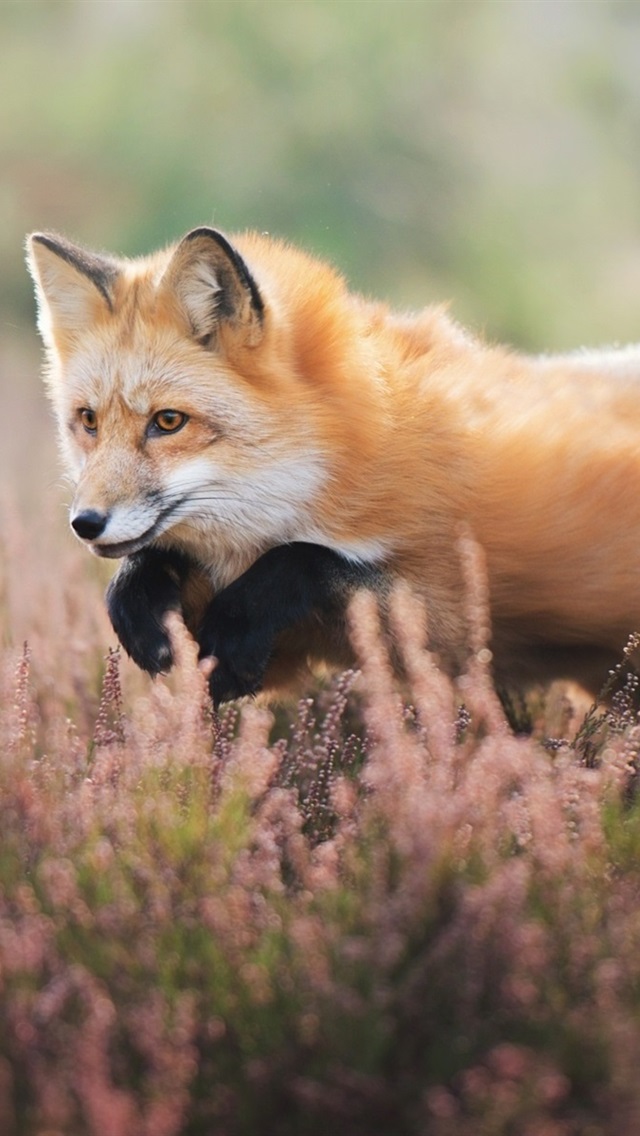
{"x": 243, "y": 622}
{"x": 241, "y": 651}
{"x": 145, "y": 588}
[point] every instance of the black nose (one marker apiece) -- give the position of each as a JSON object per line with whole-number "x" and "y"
{"x": 89, "y": 524}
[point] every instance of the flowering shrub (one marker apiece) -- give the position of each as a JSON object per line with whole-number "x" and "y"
{"x": 384, "y": 913}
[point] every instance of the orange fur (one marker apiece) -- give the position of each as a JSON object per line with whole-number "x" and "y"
{"x": 408, "y": 428}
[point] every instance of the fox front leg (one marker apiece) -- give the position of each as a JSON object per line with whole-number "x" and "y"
{"x": 289, "y": 585}
{"x": 146, "y": 586}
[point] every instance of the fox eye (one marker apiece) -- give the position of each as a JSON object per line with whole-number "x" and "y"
{"x": 89, "y": 420}
{"x": 168, "y": 421}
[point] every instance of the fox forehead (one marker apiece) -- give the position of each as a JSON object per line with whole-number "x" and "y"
{"x": 151, "y": 370}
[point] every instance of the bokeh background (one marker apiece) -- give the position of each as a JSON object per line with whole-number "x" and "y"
{"x": 486, "y": 152}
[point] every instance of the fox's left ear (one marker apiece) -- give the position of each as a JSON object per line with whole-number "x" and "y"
{"x": 73, "y": 286}
{"x": 213, "y": 286}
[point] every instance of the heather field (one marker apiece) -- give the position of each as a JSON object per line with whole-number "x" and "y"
{"x": 380, "y": 911}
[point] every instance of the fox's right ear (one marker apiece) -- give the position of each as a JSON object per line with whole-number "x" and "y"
{"x": 73, "y": 286}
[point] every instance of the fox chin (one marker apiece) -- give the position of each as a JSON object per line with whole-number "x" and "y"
{"x": 255, "y": 443}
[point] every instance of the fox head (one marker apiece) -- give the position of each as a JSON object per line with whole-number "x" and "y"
{"x": 174, "y": 389}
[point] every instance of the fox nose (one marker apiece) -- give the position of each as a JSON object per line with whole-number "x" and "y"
{"x": 89, "y": 524}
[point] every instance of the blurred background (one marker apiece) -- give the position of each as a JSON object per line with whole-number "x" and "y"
{"x": 485, "y": 152}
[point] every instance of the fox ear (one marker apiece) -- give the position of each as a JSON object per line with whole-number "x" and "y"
{"x": 72, "y": 285}
{"x": 213, "y": 285}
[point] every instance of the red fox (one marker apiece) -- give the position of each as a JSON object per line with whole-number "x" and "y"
{"x": 256, "y": 443}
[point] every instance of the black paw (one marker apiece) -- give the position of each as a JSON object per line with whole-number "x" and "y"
{"x": 284, "y": 587}
{"x": 146, "y": 586}
{"x": 242, "y": 648}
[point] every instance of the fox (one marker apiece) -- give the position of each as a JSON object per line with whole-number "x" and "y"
{"x": 255, "y": 443}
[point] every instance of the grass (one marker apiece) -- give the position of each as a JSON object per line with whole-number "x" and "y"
{"x": 380, "y": 911}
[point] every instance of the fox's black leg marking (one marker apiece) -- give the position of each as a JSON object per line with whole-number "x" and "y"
{"x": 284, "y": 587}
{"x": 146, "y": 586}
